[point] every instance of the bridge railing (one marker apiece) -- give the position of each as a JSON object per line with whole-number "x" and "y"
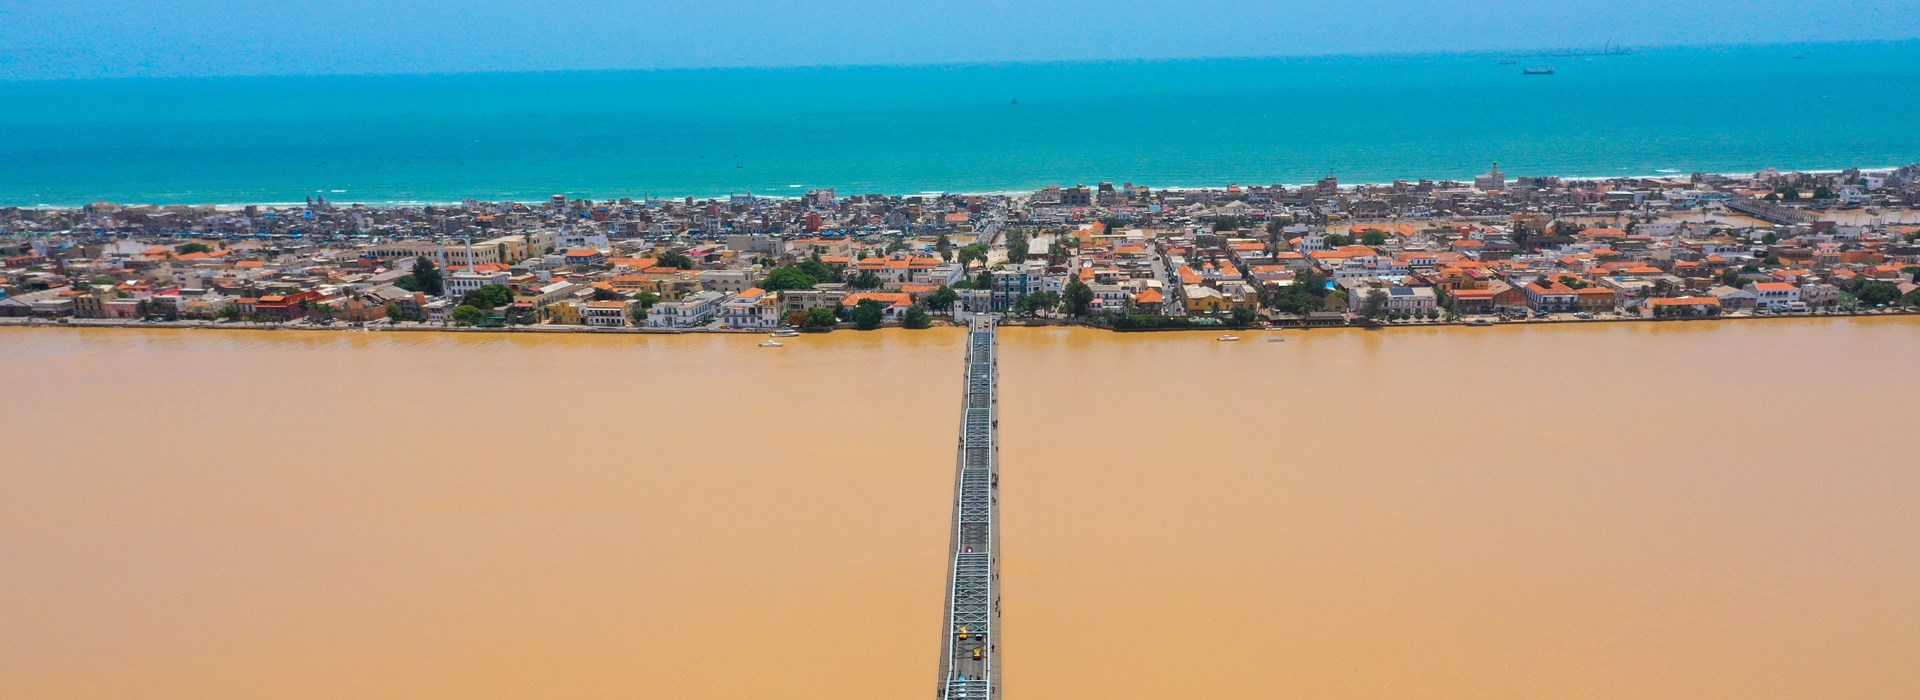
{"x": 971, "y": 585}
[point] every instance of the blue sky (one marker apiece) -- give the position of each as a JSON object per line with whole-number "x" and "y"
{"x": 54, "y": 39}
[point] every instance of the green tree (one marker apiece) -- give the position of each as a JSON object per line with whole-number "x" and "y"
{"x": 788, "y": 278}
{"x": 1336, "y": 240}
{"x": 821, "y": 317}
{"x": 427, "y": 275}
{"x": 867, "y": 279}
{"x": 1243, "y": 315}
{"x": 408, "y": 283}
{"x": 1016, "y": 246}
{"x": 394, "y": 313}
{"x": 1307, "y": 294}
{"x": 941, "y": 300}
{"x": 1376, "y": 302}
{"x": 1046, "y": 302}
{"x": 467, "y": 315}
{"x": 676, "y": 260}
{"x": 491, "y": 296}
{"x": 917, "y": 318}
{"x": 1059, "y": 252}
{"x": 1078, "y": 298}
{"x": 868, "y": 315}
{"x": 1373, "y": 238}
{"x": 819, "y": 270}
{"x": 944, "y": 246}
{"x": 973, "y": 252}
{"x": 646, "y": 300}
{"x": 190, "y": 248}
{"x": 1877, "y": 293}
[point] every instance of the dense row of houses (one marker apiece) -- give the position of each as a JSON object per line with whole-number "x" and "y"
{"x": 1781, "y": 242}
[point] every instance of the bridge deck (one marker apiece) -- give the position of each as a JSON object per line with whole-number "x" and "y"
{"x": 973, "y": 586}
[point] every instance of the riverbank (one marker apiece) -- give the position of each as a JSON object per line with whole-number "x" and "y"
{"x": 1558, "y": 319}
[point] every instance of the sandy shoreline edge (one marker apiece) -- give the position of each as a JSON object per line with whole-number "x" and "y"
{"x": 1016, "y": 323}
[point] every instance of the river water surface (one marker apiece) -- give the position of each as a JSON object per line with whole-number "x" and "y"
{"x": 1622, "y": 510}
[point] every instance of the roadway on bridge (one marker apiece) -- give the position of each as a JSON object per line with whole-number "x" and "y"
{"x": 967, "y": 661}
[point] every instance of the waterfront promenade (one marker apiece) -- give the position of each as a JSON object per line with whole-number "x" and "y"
{"x": 968, "y": 669}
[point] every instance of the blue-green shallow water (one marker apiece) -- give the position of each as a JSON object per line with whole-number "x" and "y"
{"x": 954, "y": 128}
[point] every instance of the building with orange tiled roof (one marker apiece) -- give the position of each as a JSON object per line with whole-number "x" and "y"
{"x": 1774, "y": 295}
{"x": 893, "y": 304}
{"x": 1670, "y": 307}
{"x": 1551, "y": 295}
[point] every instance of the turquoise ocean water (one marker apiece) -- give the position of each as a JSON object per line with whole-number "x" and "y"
{"x": 954, "y": 128}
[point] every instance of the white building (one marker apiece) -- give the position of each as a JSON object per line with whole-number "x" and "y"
{"x": 463, "y": 281}
{"x": 1493, "y": 180}
{"x": 692, "y": 311}
{"x": 570, "y": 240}
{"x": 1399, "y": 298}
{"x": 1773, "y": 295}
{"x": 754, "y": 309}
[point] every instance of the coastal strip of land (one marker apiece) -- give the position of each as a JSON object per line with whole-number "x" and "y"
{"x": 1499, "y": 249}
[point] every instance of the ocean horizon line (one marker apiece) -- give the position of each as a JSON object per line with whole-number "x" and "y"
{"x": 1167, "y": 124}
{"x": 1518, "y": 52}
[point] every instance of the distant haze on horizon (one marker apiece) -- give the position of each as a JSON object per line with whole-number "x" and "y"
{"x": 182, "y": 38}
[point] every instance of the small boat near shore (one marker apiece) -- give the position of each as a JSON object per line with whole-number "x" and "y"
{"x": 1537, "y": 71}
{"x": 784, "y": 333}
{"x": 772, "y": 344}
{"x": 1227, "y": 338}
{"x": 1478, "y": 322}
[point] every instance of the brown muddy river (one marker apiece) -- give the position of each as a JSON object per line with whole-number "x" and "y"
{"x": 1621, "y": 510}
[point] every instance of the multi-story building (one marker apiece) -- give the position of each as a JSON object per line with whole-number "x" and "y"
{"x": 1548, "y": 295}
{"x": 1400, "y": 298}
{"x": 461, "y": 282}
{"x": 606, "y": 314}
{"x": 590, "y": 257}
{"x": 691, "y": 311}
{"x": 754, "y": 308}
{"x": 728, "y": 281}
{"x": 1773, "y": 295}
{"x": 545, "y": 295}
{"x": 821, "y": 295}
{"x": 1011, "y": 282}
{"x": 1492, "y": 181}
{"x": 451, "y": 254}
